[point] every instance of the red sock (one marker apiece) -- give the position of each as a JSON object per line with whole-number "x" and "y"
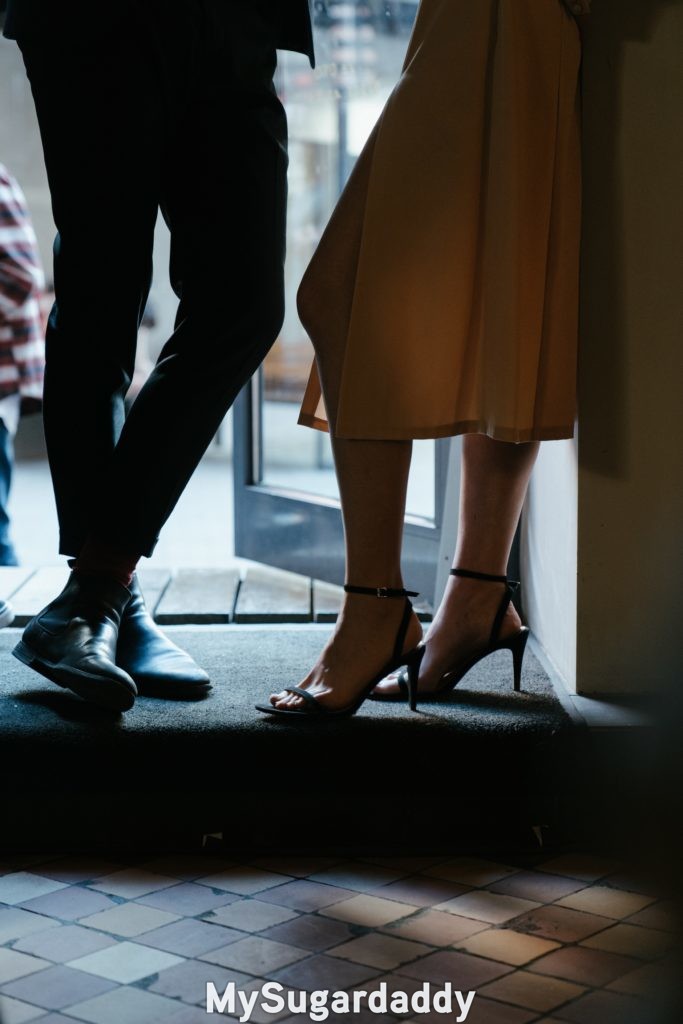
{"x": 99, "y": 558}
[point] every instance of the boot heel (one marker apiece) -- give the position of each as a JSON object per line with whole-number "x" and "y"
{"x": 518, "y": 646}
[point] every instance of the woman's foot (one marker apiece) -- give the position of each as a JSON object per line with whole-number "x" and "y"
{"x": 461, "y": 627}
{"x": 361, "y": 646}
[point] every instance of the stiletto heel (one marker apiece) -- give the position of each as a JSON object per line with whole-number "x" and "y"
{"x": 413, "y": 674}
{"x": 408, "y": 680}
{"x": 312, "y": 708}
{"x": 518, "y": 646}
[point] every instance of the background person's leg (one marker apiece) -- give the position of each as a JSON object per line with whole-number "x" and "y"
{"x": 8, "y": 555}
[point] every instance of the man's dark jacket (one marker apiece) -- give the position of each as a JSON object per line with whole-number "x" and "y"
{"x": 291, "y": 18}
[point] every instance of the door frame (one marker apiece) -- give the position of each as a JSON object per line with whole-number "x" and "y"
{"x": 302, "y": 532}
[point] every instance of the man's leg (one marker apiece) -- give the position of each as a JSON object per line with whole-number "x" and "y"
{"x": 100, "y": 133}
{"x": 100, "y": 114}
{"x": 224, "y": 198}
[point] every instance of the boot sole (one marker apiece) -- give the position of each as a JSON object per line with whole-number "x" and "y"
{"x": 110, "y": 695}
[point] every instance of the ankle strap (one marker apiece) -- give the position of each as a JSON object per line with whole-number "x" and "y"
{"x": 380, "y": 591}
{"x": 471, "y": 575}
{"x": 510, "y": 588}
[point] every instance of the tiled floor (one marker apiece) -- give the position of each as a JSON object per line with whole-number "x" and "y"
{"x": 564, "y": 939}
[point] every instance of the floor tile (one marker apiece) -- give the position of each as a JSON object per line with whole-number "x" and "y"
{"x": 131, "y": 883}
{"x": 188, "y": 899}
{"x": 470, "y": 971}
{"x": 296, "y": 867}
{"x": 385, "y": 952}
{"x": 537, "y": 885}
{"x": 561, "y": 924}
{"x": 59, "y": 987}
{"x": 586, "y": 966}
{"x": 320, "y": 972}
{"x": 187, "y": 1015}
{"x": 244, "y": 880}
{"x": 128, "y": 919}
{"x": 186, "y": 867}
{"x": 632, "y": 940}
{"x": 421, "y": 891}
{"x": 75, "y": 870}
{"x": 20, "y": 886}
{"x": 600, "y": 899}
{"x": 15, "y": 923}
{"x": 410, "y": 865}
{"x": 661, "y": 915}
{"x": 532, "y": 991}
{"x": 14, "y": 1011}
{"x": 506, "y": 946}
{"x": 647, "y": 979}
{"x": 258, "y": 1014}
{"x": 125, "y": 962}
{"x": 14, "y": 964}
{"x": 371, "y": 911}
{"x": 584, "y": 867}
{"x": 251, "y": 915}
{"x": 603, "y": 1008}
{"x": 436, "y": 927}
{"x": 188, "y": 981}
{"x": 53, "y": 1018}
{"x": 255, "y": 955}
{"x": 64, "y": 943}
{"x": 129, "y": 1005}
{"x": 304, "y": 895}
{"x": 494, "y": 908}
{"x": 635, "y": 882}
{"x": 486, "y": 1011}
{"x": 69, "y": 904}
{"x": 190, "y": 937}
{"x": 311, "y": 932}
{"x": 471, "y": 871}
{"x": 356, "y": 876}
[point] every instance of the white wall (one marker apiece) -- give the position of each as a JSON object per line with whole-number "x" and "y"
{"x": 618, "y": 609}
{"x": 549, "y": 556}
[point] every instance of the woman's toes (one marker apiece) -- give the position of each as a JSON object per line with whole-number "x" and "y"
{"x": 387, "y": 687}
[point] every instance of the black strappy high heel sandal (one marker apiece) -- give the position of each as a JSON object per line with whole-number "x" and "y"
{"x": 312, "y": 707}
{"x": 407, "y": 681}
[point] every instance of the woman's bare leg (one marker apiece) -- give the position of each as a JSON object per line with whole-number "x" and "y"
{"x": 495, "y": 477}
{"x": 372, "y": 475}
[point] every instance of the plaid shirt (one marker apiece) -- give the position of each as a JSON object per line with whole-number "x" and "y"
{"x": 22, "y": 348}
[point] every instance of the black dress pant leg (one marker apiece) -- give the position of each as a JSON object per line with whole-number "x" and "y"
{"x": 100, "y": 116}
{"x": 223, "y": 195}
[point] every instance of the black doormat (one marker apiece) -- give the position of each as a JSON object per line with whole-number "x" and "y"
{"x": 166, "y": 773}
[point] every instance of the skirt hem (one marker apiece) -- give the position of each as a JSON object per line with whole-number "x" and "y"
{"x": 511, "y": 434}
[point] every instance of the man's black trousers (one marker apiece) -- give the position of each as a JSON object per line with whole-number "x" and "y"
{"x": 173, "y": 110}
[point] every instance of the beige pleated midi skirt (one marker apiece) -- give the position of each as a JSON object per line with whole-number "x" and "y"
{"x": 464, "y": 312}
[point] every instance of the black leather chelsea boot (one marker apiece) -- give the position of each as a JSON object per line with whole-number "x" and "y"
{"x": 158, "y": 666}
{"x": 72, "y": 642}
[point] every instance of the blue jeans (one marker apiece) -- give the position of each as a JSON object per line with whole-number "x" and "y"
{"x": 8, "y": 555}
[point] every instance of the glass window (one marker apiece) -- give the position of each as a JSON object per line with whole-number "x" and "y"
{"x": 360, "y": 49}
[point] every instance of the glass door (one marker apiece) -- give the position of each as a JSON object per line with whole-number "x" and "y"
{"x": 287, "y": 504}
